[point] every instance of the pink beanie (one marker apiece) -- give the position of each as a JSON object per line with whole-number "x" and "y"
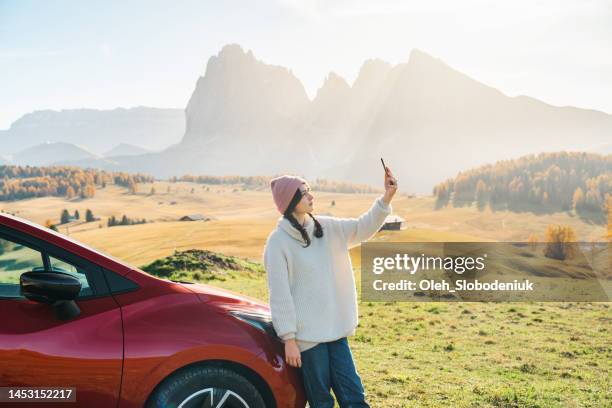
{"x": 283, "y": 190}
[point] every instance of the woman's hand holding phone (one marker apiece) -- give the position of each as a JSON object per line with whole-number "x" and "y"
{"x": 390, "y": 184}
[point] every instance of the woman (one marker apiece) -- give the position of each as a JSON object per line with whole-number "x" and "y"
{"x": 313, "y": 298}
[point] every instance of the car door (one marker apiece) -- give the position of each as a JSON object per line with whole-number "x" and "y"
{"x": 37, "y": 349}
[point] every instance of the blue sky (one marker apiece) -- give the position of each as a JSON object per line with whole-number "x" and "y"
{"x": 105, "y": 54}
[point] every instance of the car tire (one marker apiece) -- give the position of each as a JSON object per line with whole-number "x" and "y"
{"x": 202, "y": 386}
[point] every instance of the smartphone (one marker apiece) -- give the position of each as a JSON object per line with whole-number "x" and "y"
{"x": 385, "y": 168}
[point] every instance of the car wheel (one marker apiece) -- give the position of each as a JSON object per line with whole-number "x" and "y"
{"x": 206, "y": 387}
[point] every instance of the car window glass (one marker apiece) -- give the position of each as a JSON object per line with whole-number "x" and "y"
{"x": 16, "y": 259}
{"x": 57, "y": 265}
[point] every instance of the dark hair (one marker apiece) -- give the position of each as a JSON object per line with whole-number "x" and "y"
{"x": 288, "y": 214}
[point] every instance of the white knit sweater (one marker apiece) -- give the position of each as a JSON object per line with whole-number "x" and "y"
{"x": 312, "y": 290}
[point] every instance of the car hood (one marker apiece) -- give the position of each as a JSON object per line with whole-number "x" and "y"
{"x": 226, "y": 298}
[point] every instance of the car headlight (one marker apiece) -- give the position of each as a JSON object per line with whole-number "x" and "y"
{"x": 260, "y": 321}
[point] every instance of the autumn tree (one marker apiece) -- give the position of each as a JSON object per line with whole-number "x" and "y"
{"x": 550, "y": 181}
{"x": 89, "y": 191}
{"x": 560, "y": 242}
{"x": 481, "y": 194}
{"x": 533, "y": 241}
{"x": 578, "y": 200}
{"x": 70, "y": 193}
{"x": 610, "y": 218}
{"x": 132, "y": 187}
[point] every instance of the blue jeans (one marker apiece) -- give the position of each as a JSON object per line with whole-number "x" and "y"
{"x": 330, "y": 365}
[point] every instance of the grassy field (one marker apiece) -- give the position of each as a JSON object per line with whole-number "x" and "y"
{"x": 409, "y": 354}
{"x": 242, "y": 219}
{"x": 479, "y": 354}
{"x": 467, "y": 354}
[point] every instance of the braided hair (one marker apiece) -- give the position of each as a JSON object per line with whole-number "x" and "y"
{"x": 288, "y": 214}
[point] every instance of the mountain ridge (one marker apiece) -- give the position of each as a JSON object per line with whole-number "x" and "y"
{"x": 427, "y": 119}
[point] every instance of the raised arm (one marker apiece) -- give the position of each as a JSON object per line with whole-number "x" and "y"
{"x": 357, "y": 230}
{"x": 281, "y": 300}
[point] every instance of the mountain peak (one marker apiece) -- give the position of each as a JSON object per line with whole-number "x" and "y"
{"x": 422, "y": 60}
{"x": 239, "y": 92}
{"x": 232, "y": 52}
{"x": 371, "y": 72}
{"x": 334, "y": 81}
{"x": 334, "y": 87}
{"x": 417, "y": 54}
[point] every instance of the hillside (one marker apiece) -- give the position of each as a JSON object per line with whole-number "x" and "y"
{"x": 23, "y": 182}
{"x": 547, "y": 182}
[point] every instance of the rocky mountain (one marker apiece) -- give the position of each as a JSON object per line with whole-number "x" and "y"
{"x": 426, "y": 119}
{"x": 241, "y": 111}
{"x": 52, "y": 153}
{"x": 430, "y": 122}
{"x": 125, "y": 149}
{"x": 96, "y": 130}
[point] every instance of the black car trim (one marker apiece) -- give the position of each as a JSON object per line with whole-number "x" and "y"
{"x": 93, "y": 272}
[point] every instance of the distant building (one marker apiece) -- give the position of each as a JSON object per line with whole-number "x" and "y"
{"x": 392, "y": 222}
{"x": 194, "y": 217}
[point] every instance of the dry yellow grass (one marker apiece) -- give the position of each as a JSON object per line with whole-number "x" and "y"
{"x": 243, "y": 219}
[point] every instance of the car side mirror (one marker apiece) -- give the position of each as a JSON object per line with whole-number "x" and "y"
{"x": 57, "y": 289}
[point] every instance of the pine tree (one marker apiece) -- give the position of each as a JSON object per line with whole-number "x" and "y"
{"x": 76, "y": 214}
{"x": 89, "y": 217}
{"x": 65, "y": 217}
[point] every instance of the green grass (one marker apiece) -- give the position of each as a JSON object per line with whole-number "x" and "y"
{"x": 501, "y": 355}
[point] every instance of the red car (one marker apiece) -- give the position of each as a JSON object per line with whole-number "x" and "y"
{"x": 73, "y": 318}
